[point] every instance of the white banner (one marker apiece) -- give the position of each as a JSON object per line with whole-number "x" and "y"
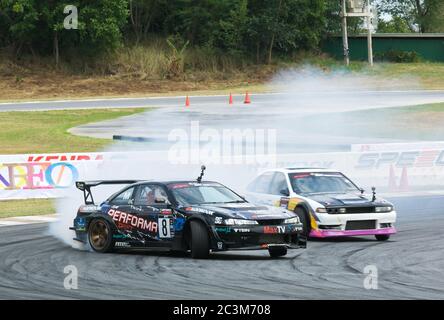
{"x": 43, "y": 175}
{"x": 54, "y": 175}
{"x": 422, "y": 145}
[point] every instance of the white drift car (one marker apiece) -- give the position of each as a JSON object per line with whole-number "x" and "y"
{"x": 326, "y": 201}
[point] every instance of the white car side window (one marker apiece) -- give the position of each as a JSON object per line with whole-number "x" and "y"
{"x": 279, "y": 184}
{"x": 262, "y": 183}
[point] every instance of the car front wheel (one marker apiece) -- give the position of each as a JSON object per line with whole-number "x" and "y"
{"x": 200, "y": 243}
{"x": 382, "y": 237}
{"x": 276, "y": 252}
{"x": 305, "y": 222}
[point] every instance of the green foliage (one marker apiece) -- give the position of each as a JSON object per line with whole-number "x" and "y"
{"x": 395, "y": 25}
{"x": 101, "y": 23}
{"x": 242, "y": 27}
{"x": 177, "y": 56}
{"x": 238, "y": 28}
{"x": 145, "y": 16}
{"x": 398, "y": 56}
{"x": 38, "y": 25}
{"x": 20, "y": 19}
{"x": 285, "y": 26}
{"x": 229, "y": 33}
{"x": 419, "y": 15}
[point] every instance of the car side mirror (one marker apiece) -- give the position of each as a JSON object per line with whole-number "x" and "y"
{"x": 362, "y": 190}
{"x": 285, "y": 192}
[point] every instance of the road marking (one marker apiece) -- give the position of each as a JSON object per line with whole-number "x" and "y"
{"x": 18, "y": 103}
{"x": 16, "y": 221}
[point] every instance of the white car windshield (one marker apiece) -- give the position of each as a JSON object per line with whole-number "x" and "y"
{"x": 196, "y": 194}
{"x": 317, "y": 183}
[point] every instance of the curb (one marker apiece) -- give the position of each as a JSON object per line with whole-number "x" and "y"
{"x": 23, "y": 220}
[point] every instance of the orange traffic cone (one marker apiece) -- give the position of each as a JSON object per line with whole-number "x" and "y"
{"x": 230, "y": 101}
{"x": 404, "y": 184}
{"x": 247, "y": 98}
{"x": 187, "y": 102}
{"x": 392, "y": 179}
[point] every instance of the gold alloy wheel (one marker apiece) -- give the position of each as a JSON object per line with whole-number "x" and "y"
{"x": 99, "y": 235}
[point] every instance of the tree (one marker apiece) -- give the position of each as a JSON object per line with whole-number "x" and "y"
{"x": 144, "y": 14}
{"x": 21, "y": 19}
{"x": 420, "y": 15}
{"x": 101, "y": 24}
{"x": 231, "y": 29}
{"x": 261, "y": 28}
{"x": 38, "y": 26}
{"x": 287, "y": 25}
{"x": 194, "y": 20}
{"x": 394, "y": 25}
{"x": 435, "y": 21}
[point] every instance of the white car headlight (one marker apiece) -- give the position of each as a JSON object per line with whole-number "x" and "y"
{"x": 292, "y": 220}
{"x": 239, "y": 222}
{"x": 321, "y": 210}
{"x": 384, "y": 209}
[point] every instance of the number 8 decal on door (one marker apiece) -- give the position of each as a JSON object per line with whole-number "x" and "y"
{"x": 164, "y": 228}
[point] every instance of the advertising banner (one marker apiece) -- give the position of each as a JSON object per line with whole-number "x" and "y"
{"x": 43, "y": 175}
{"x": 54, "y": 175}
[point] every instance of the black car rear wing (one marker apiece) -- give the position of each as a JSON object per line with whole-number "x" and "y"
{"x": 86, "y": 186}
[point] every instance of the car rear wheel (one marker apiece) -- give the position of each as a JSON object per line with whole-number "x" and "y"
{"x": 303, "y": 217}
{"x": 200, "y": 243}
{"x": 276, "y": 252}
{"x": 382, "y": 237}
{"x": 100, "y": 236}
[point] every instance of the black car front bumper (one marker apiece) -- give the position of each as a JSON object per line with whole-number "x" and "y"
{"x": 257, "y": 237}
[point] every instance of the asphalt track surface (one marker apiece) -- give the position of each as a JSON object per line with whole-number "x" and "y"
{"x": 409, "y": 267}
{"x": 365, "y": 98}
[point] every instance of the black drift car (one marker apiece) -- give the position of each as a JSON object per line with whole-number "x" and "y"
{"x": 182, "y": 216}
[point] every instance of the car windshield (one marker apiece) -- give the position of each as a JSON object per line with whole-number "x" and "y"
{"x": 196, "y": 194}
{"x": 312, "y": 183}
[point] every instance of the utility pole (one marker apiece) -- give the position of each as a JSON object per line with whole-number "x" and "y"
{"x": 345, "y": 33}
{"x": 369, "y": 36}
{"x": 361, "y": 9}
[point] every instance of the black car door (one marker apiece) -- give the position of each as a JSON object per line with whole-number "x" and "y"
{"x": 156, "y": 220}
{"x": 120, "y": 205}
